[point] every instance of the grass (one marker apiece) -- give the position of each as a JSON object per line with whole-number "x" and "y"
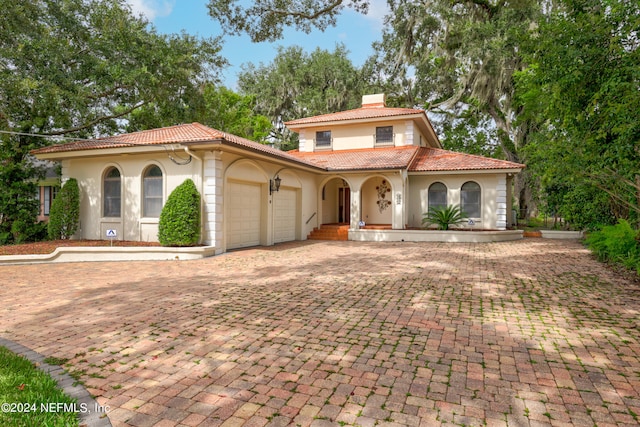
{"x": 30, "y": 397}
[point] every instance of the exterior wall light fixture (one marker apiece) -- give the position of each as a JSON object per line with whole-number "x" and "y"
{"x": 274, "y": 184}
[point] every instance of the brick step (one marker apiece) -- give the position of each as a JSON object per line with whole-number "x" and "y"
{"x": 330, "y": 232}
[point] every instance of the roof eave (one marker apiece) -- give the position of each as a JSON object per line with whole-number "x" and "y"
{"x": 297, "y": 126}
{"x": 95, "y": 152}
{"x": 241, "y": 148}
{"x": 467, "y": 171}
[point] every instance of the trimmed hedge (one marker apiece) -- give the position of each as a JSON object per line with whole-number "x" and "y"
{"x": 64, "y": 216}
{"x": 180, "y": 217}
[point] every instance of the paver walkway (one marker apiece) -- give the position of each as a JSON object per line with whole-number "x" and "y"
{"x": 527, "y": 333}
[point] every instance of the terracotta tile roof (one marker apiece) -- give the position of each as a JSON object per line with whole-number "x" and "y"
{"x": 415, "y": 159}
{"x": 369, "y": 112}
{"x": 178, "y": 134}
{"x": 360, "y": 159}
{"x": 435, "y": 159}
{"x": 185, "y": 134}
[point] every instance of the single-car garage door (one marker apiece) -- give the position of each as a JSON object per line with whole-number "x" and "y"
{"x": 243, "y": 228}
{"x": 285, "y": 203}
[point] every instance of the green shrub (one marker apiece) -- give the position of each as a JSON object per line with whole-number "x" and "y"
{"x": 618, "y": 243}
{"x": 25, "y": 231}
{"x": 180, "y": 217}
{"x": 444, "y": 217}
{"x": 64, "y": 216}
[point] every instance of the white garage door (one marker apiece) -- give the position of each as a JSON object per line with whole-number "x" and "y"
{"x": 243, "y": 226}
{"x": 285, "y": 203}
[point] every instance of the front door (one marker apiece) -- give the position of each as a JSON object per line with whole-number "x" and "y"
{"x": 344, "y": 205}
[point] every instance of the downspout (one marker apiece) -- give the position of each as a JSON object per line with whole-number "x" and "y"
{"x": 191, "y": 153}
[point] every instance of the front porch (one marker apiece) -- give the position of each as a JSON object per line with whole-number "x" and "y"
{"x": 375, "y": 234}
{"x": 385, "y": 233}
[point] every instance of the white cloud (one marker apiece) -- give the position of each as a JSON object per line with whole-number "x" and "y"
{"x": 151, "y": 9}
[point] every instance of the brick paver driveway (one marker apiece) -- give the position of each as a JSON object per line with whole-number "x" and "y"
{"x": 527, "y": 333}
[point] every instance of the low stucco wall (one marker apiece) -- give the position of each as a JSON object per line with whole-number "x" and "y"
{"x": 561, "y": 234}
{"x": 108, "y": 253}
{"x": 451, "y": 236}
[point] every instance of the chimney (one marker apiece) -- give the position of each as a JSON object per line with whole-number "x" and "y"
{"x": 379, "y": 100}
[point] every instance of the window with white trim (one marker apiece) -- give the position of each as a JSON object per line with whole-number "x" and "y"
{"x": 152, "y": 192}
{"x": 437, "y": 196}
{"x": 323, "y": 139}
{"x": 470, "y": 196}
{"x": 384, "y": 135}
{"x": 111, "y": 194}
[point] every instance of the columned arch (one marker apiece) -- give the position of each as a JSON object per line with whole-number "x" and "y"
{"x": 335, "y": 201}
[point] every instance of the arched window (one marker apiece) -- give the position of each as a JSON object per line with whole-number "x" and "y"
{"x": 470, "y": 199}
{"x": 152, "y": 192}
{"x": 437, "y": 195}
{"x": 111, "y": 193}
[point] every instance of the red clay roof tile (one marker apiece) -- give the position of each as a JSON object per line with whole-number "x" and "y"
{"x": 360, "y": 159}
{"x": 435, "y": 159}
{"x": 415, "y": 159}
{"x": 193, "y": 132}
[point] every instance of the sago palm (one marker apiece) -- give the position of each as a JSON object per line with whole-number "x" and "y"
{"x": 444, "y": 217}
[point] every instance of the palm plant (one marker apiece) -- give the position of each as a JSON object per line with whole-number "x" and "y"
{"x": 444, "y": 217}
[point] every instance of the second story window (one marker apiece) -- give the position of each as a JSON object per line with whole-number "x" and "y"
{"x": 384, "y": 135}
{"x": 323, "y": 139}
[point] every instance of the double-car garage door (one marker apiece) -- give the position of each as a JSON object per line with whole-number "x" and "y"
{"x": 245, "y": 215}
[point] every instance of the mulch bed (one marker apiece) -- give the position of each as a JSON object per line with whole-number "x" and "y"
{"x": 49, "y": 246}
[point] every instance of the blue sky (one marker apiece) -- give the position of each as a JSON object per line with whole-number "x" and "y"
{"x": 355, "y": 31}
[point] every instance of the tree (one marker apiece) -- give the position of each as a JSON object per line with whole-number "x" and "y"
{"x": 298, "y": 85}
{"x": 264, "y": 20}
{"x": 458, "y": 59}
{"x": 80, "y": 68}
{"x": 212, "y": 105}
{"x": 584, "y": 79}
{"x": 234, "y": 113}
{"x": 179, "y": 223}
{"x": 64, "y": 216}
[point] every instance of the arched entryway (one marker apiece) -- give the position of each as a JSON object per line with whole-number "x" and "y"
{"x": 376, "y": 202}
{"x": 336, "y": 202}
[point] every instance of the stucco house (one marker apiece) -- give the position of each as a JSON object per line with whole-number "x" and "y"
{"x": 374, "y": 170}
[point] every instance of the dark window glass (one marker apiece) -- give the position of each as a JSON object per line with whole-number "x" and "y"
{"x": 111, "y": 193}
{"x": 470, "y": 199}
{"x": 152, "y": 192}
{"x": 437, "y": 195}
{"x": 323, "y": 138}
{"x": 384, "y": 135}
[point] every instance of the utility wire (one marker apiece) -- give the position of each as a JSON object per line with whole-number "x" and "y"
{"x": 172, "y": 157}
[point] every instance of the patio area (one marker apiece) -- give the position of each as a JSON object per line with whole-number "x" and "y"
{"x": 532, "y": 332}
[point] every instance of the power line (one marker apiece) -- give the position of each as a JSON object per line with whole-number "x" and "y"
{"x": 41, "y": 135}
{"x": 180, "y": 161}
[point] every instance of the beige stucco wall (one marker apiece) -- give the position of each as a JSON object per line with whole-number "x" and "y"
{"x": 131, "y": 225}
{"x": 355, "y": 136}
{"x": 213, "y": 170}
{"x": 419, "y": 188}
